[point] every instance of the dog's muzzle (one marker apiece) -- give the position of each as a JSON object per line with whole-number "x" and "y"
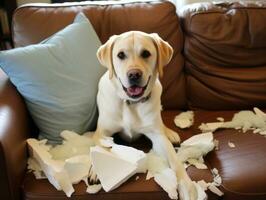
{"x": 135, "y": 91}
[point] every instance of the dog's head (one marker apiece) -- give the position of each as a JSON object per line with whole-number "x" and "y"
{"x": 135, "y": 58}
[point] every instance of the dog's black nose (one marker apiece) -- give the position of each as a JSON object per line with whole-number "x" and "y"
{"x": 134, "y": 76}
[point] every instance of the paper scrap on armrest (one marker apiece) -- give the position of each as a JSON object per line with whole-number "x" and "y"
{"x": 184, "y": 119}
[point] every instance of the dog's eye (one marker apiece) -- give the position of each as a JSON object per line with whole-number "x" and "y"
{"x": 145, "y": 54}
{"x": 121, "y": 55}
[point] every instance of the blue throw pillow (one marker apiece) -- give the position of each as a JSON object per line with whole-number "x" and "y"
{"x": 59, "y": 79}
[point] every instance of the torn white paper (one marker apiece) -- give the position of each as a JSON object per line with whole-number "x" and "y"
{"x": 53, "y": 170}
{"x": 73, "y": 144}
{"x": 132, "y": 155}
{"x": 213, "y": 186}
{"x": 231, "y": 144}
{"x": 111, "y": 170}
{"x": 184, "y": 119}
{"x": 220, "y": 119}
{"x": 196, "y": 147}
{"x": 93, "y": 189}
{"x": 167, "y": 180}
{"x": 210, "y": 127}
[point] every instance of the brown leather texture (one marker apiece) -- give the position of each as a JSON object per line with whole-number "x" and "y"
{"x": 225, "y": 55}
{"x": 14, "y": 130}
{"x": 32, "y": 24}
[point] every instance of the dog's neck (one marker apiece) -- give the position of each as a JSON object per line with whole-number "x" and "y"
{"x": 142, "y": 100}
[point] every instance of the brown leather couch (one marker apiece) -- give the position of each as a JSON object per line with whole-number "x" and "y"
{"x": 218, "y": 68}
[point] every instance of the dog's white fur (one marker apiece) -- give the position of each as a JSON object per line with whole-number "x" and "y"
{"x": 131, "y": 120}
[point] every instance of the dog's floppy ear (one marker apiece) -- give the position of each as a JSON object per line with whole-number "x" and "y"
{"x": 164, "y": 52}
{"x": 104, "y": 55}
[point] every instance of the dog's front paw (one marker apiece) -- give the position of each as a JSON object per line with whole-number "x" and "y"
{"x": 187, "y": 190}
{"x": 172, "y": 136}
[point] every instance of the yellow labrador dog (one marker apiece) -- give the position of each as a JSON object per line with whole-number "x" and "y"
{"x": 129, "y": 97}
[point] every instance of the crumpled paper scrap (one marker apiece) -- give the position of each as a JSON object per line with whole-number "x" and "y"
{"x": 184, "y": 119}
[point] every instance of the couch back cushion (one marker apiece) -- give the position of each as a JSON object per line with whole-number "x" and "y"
{"x": 225, "y": 55}
{"x": 33, "y": 23}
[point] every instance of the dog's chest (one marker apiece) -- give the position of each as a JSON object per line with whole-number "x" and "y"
{"x": 132, "y": 120}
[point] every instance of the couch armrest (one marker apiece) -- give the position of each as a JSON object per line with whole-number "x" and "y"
{"x": 14, "y": 130}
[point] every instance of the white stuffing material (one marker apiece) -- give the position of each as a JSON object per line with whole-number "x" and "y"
{"x": 132, "y": 155}
{"x": 213, "y": 186}
{"x": 111, "y": 169}
{"x": 77, "y": 159}
{"x": 196, "y": 147}
{"x": 167, "y": 180}
{"x": 93, "y": 189}
{"x": 216, "y": 144}
{"x": 149, "y": 175}
{"x": 245, "y": 120}
{"x": 184, "y": 119}
{"x": 34, "y": 167}
{"x": 220, "y": 119}
{"x": 73, "y": 144}
{"x": 231, "y": 144}
{"x": 201, "y": 192}
{"x": 215, "y": 190}
{"x": 53, "y": 169}
{"x": 210, "y": 127}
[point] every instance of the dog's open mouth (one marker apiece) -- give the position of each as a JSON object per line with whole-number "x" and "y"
{"x": 135, "y": 91}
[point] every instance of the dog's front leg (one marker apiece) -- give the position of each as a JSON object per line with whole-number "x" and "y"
{"x": 163, "y": 147}
{"x": 102, "y": 137}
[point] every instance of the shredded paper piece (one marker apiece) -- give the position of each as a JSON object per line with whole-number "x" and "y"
{"x": 184, "y": 119}
{"x": 213, "y": 186}
{"x": 231, "y": 145}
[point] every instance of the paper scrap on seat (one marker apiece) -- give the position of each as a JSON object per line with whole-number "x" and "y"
{"x": 184, "y": 119}
{"x": 246, "y": 120}
{"x": 212, "y": 186}
{"x": 111, "y": 170}
{"x": 193, "y": 149}
{"x": 210, "y": 126}
{"x": 220, "y": 119}
{"x": 93, "y": 189}
{"x": 53, "y": 169}
{"x": 231, "y": 144}
{"x": 132, "y": 155}
{"x": 167, "y": 180}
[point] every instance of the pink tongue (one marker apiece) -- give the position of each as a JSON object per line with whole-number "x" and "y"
{"x": 135, "y": 90}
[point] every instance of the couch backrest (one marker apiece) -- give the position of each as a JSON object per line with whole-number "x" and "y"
{"x": 224, "y": 45}
{"x": 33, "y": 23}
{"x": 225, "y": 55}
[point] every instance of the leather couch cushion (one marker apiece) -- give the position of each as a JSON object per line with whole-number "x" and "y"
{"x": 225, "y": 48}
{"x": 33, "y": 23}
{"x": 242, "y": 168}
